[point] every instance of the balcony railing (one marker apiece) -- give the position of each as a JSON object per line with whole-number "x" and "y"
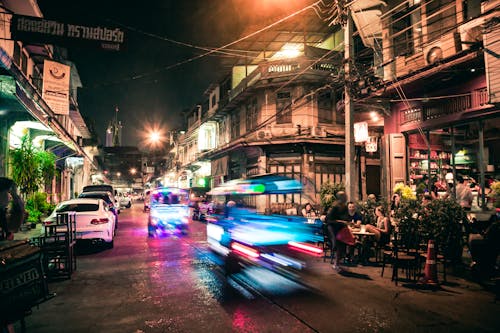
{"x": 439, "y": 108}
{"x": 274, "y": 69}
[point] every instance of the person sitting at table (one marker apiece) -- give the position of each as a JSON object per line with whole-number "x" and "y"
{"x": 353, "y": 216}
{"x": 308, "y": 211}
{"x": 382, "y": 229}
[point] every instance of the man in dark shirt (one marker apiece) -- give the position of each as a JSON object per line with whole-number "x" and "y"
{"x": 354, "y": 217}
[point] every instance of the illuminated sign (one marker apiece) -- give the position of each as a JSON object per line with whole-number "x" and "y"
{"x": 361, "y": 131}
{"x": 55, "y": 91}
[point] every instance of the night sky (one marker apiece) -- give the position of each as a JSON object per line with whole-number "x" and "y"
{"x": 135, "y": 80}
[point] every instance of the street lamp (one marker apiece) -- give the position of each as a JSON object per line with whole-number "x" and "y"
{"x": 133, "y": 171}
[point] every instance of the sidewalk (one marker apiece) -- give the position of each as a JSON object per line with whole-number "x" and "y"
{"x": 30, "y": 233}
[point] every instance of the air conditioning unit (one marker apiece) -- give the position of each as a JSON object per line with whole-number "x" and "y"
{"x": 436, "y": 51}
{"x": 318, "y": 132}
{"x": 263, "y": 134}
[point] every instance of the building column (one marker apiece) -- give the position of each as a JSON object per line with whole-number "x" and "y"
{"x": 262, "y": 201}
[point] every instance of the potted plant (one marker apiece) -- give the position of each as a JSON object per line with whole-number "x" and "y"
{"x": 495, "y": 193}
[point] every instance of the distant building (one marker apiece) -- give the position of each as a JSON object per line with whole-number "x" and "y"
{"x": 114, "y": 132}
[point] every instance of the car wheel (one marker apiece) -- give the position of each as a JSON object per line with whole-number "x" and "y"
{"x": 129, "y": 205}
{"x": 111, "y": 244}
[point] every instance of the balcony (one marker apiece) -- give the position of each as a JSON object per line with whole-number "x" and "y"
{"x": 440, "y": 111}
{"x": 278, "y": 72}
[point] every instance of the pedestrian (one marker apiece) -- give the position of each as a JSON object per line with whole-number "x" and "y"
{"x": 463, "y": 193}
{"x": 11, "y": 209}
{"x": 337, "y": 229}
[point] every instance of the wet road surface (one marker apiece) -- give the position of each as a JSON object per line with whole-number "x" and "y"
{"x": 172, "y": 284}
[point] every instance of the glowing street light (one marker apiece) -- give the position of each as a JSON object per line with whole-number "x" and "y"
{"x": 133, "y": 171}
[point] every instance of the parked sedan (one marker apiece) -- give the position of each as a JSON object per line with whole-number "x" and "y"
{"x": 94, "y": 219}
{"x": 108, "y": 199}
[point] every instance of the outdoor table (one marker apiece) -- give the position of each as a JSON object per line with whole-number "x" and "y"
{"x": 363, "y": 236}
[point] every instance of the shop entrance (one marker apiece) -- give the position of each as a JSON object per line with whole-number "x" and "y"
{"x": 373, "y": 179}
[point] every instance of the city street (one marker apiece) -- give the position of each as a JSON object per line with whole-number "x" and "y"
{"x": 172, "y": 284}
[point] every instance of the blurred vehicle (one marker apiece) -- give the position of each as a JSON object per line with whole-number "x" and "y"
{"x": 246, "y": 239}
{"x": 124, "y": 200}
{"x": 108, "y": 199}
{"x": 94, "y": 219}
{"x": 168, "y": 211}
{"x": 147, "y": 199}
{"x": 202, "y": 209}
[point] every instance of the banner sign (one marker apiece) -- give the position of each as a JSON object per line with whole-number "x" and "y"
{"x": 41, "y": 30}
{"x": 55, "y": 91}
{"x": 361, "y": 131}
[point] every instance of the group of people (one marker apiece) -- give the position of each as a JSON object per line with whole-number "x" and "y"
{"x": 340, "y": 217}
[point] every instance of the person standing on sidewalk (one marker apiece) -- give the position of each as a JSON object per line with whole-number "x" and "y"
{"x": 336, "y": 225}
{"x": 11, "y": 209}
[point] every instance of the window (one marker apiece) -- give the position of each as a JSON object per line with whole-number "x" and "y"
{"x": 402, "y": 31}
{"x": 17, "y": 54}
{"x": 292, "y": 170}
{"x": 80, "y": 207}
{"x": 330, "y": 172}
{"x": 214, "y": 101}
{"x": 235, "y": 124}
{"x": 325, "y": 107}
{"x": 283, "y": 107}
{"x": 440, "y": 17}
{"x": 24, "y": 63}
{"x": 251, "y": 115}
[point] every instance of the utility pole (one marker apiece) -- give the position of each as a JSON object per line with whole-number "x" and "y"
{"x": 350, "y": 163}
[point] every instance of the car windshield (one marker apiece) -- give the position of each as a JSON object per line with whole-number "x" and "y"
{"x": 169, "y": 197}
{"x": 96, "y": 196}
{"x": 77, "y": 207}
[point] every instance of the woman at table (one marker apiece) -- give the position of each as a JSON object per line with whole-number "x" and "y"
{"x": 308, "y": 211}
{"x": 382, "y": 229}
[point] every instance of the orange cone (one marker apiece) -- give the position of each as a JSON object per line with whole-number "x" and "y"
{"x": 430, "y": 272}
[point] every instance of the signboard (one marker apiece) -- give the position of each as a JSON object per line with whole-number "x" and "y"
{"x": 371, "y": 144}
{"x": 361, "y": 131}
{"x": 55, "y": 91}
{"x": 42, "y": 30}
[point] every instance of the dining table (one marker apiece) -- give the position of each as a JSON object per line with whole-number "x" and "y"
{"x": 364, "y": 237}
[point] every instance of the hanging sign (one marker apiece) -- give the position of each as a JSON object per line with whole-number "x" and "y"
{"x": 361, "y": 131}
{"x": 55, "y": 91}
{"x": 42, "y": 30}
{"x": 371, "y": 144}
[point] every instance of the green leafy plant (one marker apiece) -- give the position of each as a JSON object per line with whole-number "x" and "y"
{"x": 328, "y": 192}
{"x": 25, "y": 167}
{"x": 31, "y": 168}
{"x": 495, "y": 193}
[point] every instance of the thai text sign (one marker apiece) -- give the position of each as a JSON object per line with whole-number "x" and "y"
{"x": 41, "y": 30}
{"x": 55, "y": 90}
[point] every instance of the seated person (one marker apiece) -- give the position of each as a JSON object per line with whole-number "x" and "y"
{"x": 353, "y": 216}
{"x": 485, "y": 247}
{"x": 308, "y": 211}
{"x": 382, "y": 229}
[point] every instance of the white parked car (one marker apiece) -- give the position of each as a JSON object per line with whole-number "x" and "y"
{"x": 94, "y": 219}
{"x": 124, "y": 200}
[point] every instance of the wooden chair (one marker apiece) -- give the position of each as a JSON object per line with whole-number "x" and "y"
{"x": 402, "y": 254}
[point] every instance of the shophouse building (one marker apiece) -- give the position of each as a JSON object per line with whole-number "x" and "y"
{"x": 23, "y": 110}
{"x": 423, "y": 81}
